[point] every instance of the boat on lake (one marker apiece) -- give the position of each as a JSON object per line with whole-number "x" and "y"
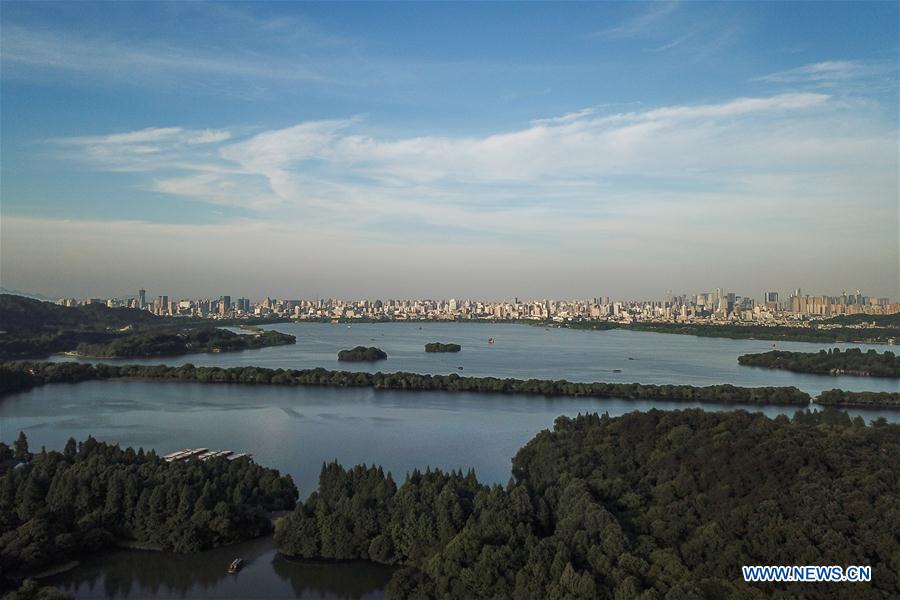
{"x": 236, "y": 565}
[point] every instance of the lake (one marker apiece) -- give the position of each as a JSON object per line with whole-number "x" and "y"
{"x": 525, "y": 351}
{"x": 295, "y": 429}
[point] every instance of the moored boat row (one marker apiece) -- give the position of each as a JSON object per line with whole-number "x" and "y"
{"x": 204, "y": 454}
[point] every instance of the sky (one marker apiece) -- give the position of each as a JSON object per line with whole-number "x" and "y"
{"x": 468, "y": 150}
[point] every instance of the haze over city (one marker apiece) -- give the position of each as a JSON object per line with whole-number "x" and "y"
{"x": 430, "y": 150}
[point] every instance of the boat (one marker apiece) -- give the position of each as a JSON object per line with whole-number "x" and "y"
{"x": 236, "y": 565}
{"x": 617, "y": 370}
{"x": 490, "y": 340}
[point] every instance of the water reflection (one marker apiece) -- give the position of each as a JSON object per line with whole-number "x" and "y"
{"x": 127, "y": 574}
{"x": 356, "y": 580}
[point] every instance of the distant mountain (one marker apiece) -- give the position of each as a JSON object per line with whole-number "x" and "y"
{"x": 8, "y": 291}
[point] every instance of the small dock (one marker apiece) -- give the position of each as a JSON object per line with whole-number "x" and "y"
{"x": 204, "y": 454}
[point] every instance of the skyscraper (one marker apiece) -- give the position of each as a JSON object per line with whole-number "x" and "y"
{"x": 142, "y": 298}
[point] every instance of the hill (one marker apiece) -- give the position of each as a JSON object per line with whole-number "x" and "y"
{"x": 26, "y": 315}
{"x": 34, "y": 329}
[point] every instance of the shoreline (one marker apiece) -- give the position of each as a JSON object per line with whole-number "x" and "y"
{"x": 54, "y": 570}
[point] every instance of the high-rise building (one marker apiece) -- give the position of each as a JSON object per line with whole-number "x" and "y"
{"x": 162, "y": 305}
{"x": 142, "y": 298}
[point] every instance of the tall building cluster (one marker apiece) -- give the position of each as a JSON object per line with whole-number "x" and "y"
{"x": 719, "y": 306}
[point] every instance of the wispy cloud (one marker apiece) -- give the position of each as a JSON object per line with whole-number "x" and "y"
{"x": 848, "y": 78}
{"x": 29, "y": 51}
{"x": 151, "y": 135}
{"x": 581, "y": 172}
{"x": 827, "y": 71}
{"x": 646, "y": 20}
{"x": 674, "y": 43}
{"x": 695, "y": 35}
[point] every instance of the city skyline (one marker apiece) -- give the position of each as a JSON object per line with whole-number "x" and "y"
{"x": 449, "y": 150}
{"x": 720, "y": 300}
{"x": 144, "y": 296}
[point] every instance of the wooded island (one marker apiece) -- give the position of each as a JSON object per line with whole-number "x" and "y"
{"x": 852, "y": 361}
{"x": 439, "y": 347}
{"x": 362, "y": 354}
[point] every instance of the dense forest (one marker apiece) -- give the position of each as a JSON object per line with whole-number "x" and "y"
{"x": 23, "y": 375}
{"x": 648, "y": 505}
{"x": 92, "y": 495}
{"x": 440, "y": 347}
{"x": 362, "y": 354}
{"x": 752, "y": 332}
{"x": 892, "y": 320}
{"x": 859, "y": 399}
{"x": 174, "y": 343}
{"x": 35, "y": 329}
{"x": 852, "y": 361}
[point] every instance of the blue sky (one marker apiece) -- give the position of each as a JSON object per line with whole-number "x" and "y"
{"x": 472, "y": 149}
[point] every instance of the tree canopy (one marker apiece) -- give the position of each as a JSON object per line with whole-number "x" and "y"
{"x": 23, "y": 375}
{"x": 441, "y": 347}
{"x": 178, "y": 342}
{"x": 852, "y": 361}
{"x": 94, "y": 494}
{"x": 362, "y": 354}
{"x": 648, "y": 505}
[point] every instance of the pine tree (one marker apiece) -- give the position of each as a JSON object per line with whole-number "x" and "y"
{"x": 21, "y": 447}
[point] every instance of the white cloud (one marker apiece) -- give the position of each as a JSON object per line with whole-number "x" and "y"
{"x": 787, "y": 172}
{"x": 174, "y": 135}
{"x": 835, "y": 70}
{"x": 151, "y": 149}
{"x": 848, "y": 78}
{"x": 209, "y": 136}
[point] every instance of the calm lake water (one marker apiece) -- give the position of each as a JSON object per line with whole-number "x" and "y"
{"x": 266, "y": 574}
{"x": 525, "y": 351}
{"x": 295, "y": 429}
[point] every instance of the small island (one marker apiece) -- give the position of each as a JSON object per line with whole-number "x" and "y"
{"x": 439, "y": 347}
{"x": 175, "y": 343}
{"x": 852, "y": 361}
{"x": 362, "y": 354}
